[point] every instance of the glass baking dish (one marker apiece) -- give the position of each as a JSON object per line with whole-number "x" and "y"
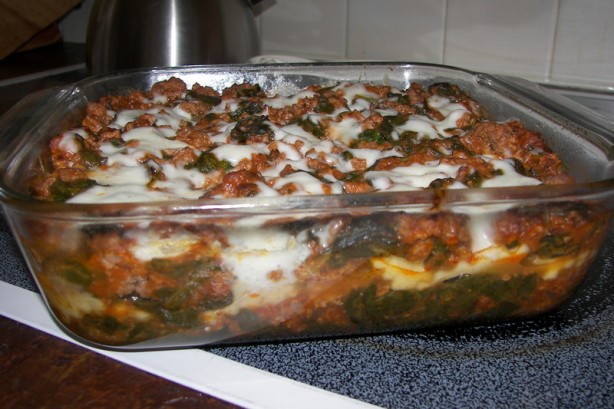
{"x": 354, "y": 284}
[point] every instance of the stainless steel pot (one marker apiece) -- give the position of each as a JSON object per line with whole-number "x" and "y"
{"x": 125, "y": 34}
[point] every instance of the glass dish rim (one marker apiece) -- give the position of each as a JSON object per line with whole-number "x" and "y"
{"x": 417, "y": 198}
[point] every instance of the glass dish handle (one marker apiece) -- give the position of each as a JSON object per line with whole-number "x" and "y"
{"x": 24, "y": 117}
{"x": 601, "y": 131}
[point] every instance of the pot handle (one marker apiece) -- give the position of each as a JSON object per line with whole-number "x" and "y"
{"x": 252, "y": 3}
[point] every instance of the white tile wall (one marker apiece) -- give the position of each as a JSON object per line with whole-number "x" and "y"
{"x": 584, "y": 46}
{"x": 566, "y": 42}
{"x": 511, "y": 37}
{"x": 314, "y": 27}
{"x": 396, "y": 30}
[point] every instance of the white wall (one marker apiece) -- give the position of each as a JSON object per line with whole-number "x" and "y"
{"x": 566, "y": 42}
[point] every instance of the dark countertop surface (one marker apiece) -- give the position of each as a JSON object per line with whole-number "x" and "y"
{"x": 61, "y": 56}
{"x": 41, "y": 371}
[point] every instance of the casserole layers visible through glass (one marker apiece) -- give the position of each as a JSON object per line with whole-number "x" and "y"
{"x": 189, "y": 272}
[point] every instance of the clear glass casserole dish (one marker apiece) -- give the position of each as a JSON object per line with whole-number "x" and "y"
{"x": 157, "y": 274}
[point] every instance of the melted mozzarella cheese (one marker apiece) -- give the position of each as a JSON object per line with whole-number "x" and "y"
{"x": 149, "y": 245}
{"x": 236, "y": 153}
{"x": 151, "y": 140}
{"x": 274, "y": 172}
{"x": 282, "y": 101}
{"x": 480, "y": 227}
{"x": 293, "y": 142}
{"x": 373, "y": 155}
{"x": 163, "y": 117}
{"x": 306, "y": 184}
{"x": 444, "y": 105}
{"x": 227, "y": 105}
{"x": 125, "y": 178}
{"x": 293, "y": 133}
{"x": 412, "y": 177}
{"x": 120, "y": 175}
{"x": 70, "y": 299}
{"x": 345, "y": 131}
{"x": 426, "y": 127}
{"x": 124, "y": 193}
{"x": 509, "y": 176}
{"x": 196, "y": 178}
{"x": 264, "y": 262}
{"x": 355, "y": 93}
{"x": 69, "y": 142}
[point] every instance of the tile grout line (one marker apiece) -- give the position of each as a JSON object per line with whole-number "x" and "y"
{"x": 550, "y": 57}
{"x": 347, "y": 29}
{"x": 445, "y": 32}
